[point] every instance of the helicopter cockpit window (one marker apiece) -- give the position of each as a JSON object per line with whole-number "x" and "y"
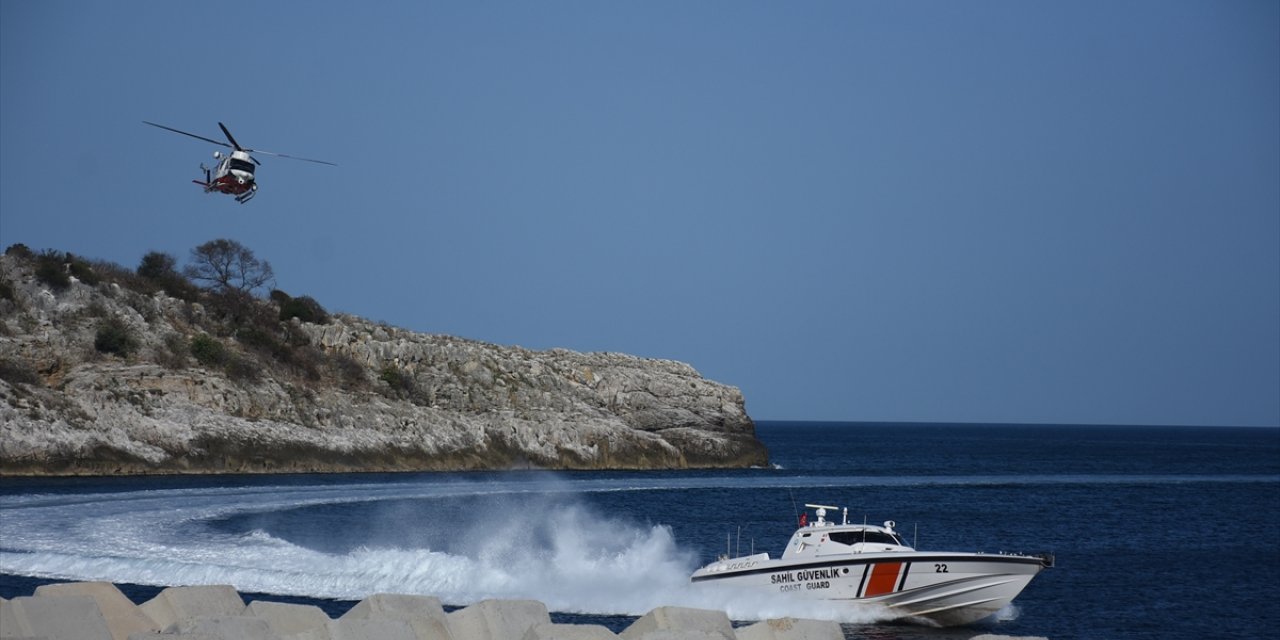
{"x": 241, "y": 165}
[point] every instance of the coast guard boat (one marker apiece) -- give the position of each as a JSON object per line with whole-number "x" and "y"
{"x": 871, "y": 564}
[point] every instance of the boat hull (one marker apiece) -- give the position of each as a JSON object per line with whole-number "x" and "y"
{"x": 946, "y": 589}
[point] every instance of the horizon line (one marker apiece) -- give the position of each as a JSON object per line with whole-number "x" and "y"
{"x": 973, "y": 423}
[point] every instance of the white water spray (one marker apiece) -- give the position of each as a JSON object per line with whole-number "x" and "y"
{"x": 563, "y": 553}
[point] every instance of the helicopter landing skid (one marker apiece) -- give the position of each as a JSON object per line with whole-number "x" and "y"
{"x": 248, "y": 195}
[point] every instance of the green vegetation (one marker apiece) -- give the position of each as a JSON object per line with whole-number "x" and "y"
{"x": 55, "y": 268}
{"x": 160, "y": 271}
{"x": 115, "y": 337}
{"x": 81, "y": 270}
{"x": 222, "y": 322}
{"x": 350, "y": 373}
{"x": 175, "y": 352}
{"x": 20, "y": 250}
{"x": 51, "y": 269}
{"x": 17, "y": 373}
{"x": 208, "y": 351}
{"x": 400, "y": 385}
{"x": 243, "y": 369}
{"x": 304, "y": 308}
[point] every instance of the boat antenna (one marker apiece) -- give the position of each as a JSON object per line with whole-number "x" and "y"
{"x": 738, "y": 551}
{"x": 794, "y": 508}
{"x": 915, "y": 536}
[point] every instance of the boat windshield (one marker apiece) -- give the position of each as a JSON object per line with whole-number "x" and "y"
{"x": 872, "y": 537}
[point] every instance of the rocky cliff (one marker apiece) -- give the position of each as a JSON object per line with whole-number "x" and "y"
{"x": 107, "y": 373}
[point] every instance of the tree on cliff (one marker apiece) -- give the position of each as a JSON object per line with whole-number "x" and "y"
{"x": 156, "y": 265}
{"x": 228, "y": 266}
{"x": 161, "y": 270}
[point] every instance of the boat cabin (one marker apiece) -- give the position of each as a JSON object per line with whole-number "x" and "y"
{"x": 823, "y": 538}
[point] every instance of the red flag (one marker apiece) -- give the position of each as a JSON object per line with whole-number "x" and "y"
{"x": 804, "y": 519}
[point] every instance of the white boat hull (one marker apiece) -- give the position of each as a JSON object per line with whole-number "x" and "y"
{"x": 944, "y": 588}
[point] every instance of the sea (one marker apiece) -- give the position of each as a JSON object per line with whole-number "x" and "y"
{"x": 1158, "y": 532}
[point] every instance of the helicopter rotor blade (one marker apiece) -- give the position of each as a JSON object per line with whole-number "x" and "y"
{"x": 283, "y": 155}
{"x": 188, "y": 134}
{"x": 236, "y": 145}
{"x": 230, "y": 139}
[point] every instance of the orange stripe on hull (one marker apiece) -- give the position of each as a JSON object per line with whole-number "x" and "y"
{"x": 884, "y": 578}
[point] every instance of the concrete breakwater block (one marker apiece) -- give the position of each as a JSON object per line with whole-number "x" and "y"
{"x": 672, "y": 623}
{"x": 391, "y": 605}
{"x": 8, "y": 623}
{"x": 423, "y": 614}
{"x": 98, "y": 611}
{"x": 371, "y": 629}
{"x": 184, "y": 603}
{"x": 226, "y": 628}
{"x": 791, "y": 629}
{"x": 497, "y": 619}
{"x": 289, "y": 619}
{"x": 122, "y": 615}
{"x": 552, "y": 631}
{"x": 53, "y": 617}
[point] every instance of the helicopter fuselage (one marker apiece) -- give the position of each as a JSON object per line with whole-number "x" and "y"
{"x": 233, "y": 175}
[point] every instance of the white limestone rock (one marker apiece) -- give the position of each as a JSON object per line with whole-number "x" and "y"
{"x": 465, "y": 405}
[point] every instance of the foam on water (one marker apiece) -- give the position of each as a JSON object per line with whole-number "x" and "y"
{"x": 561, "y": 551}
{"x": 567, "y": 555}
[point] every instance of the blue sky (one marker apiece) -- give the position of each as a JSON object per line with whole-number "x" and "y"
{"x": 907, "y": 211}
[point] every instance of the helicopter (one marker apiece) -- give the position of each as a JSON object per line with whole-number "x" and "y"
{"x": 233, "y": 175}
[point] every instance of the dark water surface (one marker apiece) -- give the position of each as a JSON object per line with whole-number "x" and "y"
{"x": 1159, "y": 532}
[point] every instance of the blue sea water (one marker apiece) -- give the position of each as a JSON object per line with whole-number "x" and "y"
{"x": 1159, "y": 532}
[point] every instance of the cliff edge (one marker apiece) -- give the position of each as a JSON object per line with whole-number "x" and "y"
{"x": 106, "y": 371}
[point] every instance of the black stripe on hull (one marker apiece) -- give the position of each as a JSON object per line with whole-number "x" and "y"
{"x": 870, "y": 561}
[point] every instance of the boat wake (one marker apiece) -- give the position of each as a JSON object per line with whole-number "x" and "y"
{"x": 538, "y": 536}
{"x": 519, "y": 543}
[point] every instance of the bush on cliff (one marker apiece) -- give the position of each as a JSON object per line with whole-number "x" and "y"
{"x": 15, "y": 372}
{"x": 160, "y": 270}
{"x": 398, "y": 384}
{"x": 51, "y": 269}
{"x": 19, "y": 250}
{"x": 175, "y": 352}
{"x": 350, "y": 374}
{"x": 55, "y": 269}
{"x": 243, "y": 369}
{"x": 208, "y": 351}
{"x": 304, "y": 308}
{"x": 115, "y": 337}
{"x": 82, "y": 270}
{"x": 156, "y": 265}
{"x": 264, "y": 342}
